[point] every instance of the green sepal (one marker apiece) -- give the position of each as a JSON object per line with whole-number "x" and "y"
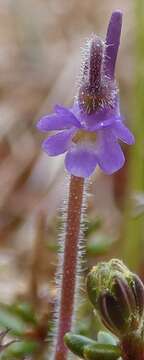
{"x": 77, "y": 343}
{"x": 101, "y": 352}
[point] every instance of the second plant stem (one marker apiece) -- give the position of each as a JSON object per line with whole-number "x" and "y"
{"x": 69, "y": 265}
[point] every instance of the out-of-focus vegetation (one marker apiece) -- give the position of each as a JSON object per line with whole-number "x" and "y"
{"x": 39, "y": 62}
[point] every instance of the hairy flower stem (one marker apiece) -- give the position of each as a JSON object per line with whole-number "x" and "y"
{"x": 70, "y": 264}
{"x": 132, "y": 347}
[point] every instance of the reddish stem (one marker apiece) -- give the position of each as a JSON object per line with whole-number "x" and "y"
{"x": 132, "y": 347}
{"x": 69, "y": 271}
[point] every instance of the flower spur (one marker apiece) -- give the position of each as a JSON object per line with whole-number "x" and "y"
{"x": 89, "y": 131}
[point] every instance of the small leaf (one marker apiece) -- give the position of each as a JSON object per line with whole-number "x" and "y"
{"x": 8, "y": 320}
{"x": 82, "y": 326}
{"x": 18, "y": 349}
{"x": 92, "y": 227}
{"x": 25, "y": 311}
{"x": 100, "y": 246}
{"x": 101, "y": 352}
{"x": 76, "y": 343}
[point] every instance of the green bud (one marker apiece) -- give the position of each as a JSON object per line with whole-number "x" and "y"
{"x": 77, "y": 343}
{"x": 102, "y": 352}
{"x": 118, "y": 296}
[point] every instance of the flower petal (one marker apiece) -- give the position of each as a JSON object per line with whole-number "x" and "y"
{"x": 112, "y": 42}
{"x": 62, "y": 119}
{"x": 110, "y": 155}
{"x": 52, "y": 122}
{"x": 81, "y": 160}
{"x": 123, "y": 133}
{"x": 59, "y": 143}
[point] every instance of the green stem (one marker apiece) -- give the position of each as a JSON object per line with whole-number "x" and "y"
{"x": 133, "y": 234}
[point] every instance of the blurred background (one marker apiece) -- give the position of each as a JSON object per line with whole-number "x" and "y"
{"x": 40, "y": 54}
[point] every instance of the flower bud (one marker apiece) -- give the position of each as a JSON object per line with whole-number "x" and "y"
{"x": 102, "y": 352}
{"x": 96, "y": 89}
{"x": 88, "y": 349}
{"x": 118, "y": 296}
{"x": 77, "y": 343}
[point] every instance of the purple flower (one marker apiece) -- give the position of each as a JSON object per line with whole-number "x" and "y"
{"x": 89, "y": 131}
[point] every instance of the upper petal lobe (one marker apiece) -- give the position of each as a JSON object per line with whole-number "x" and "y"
{"x": 62, "y": 119}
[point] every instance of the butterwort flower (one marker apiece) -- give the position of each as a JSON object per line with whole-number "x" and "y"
{"x": 89, "y": 131}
